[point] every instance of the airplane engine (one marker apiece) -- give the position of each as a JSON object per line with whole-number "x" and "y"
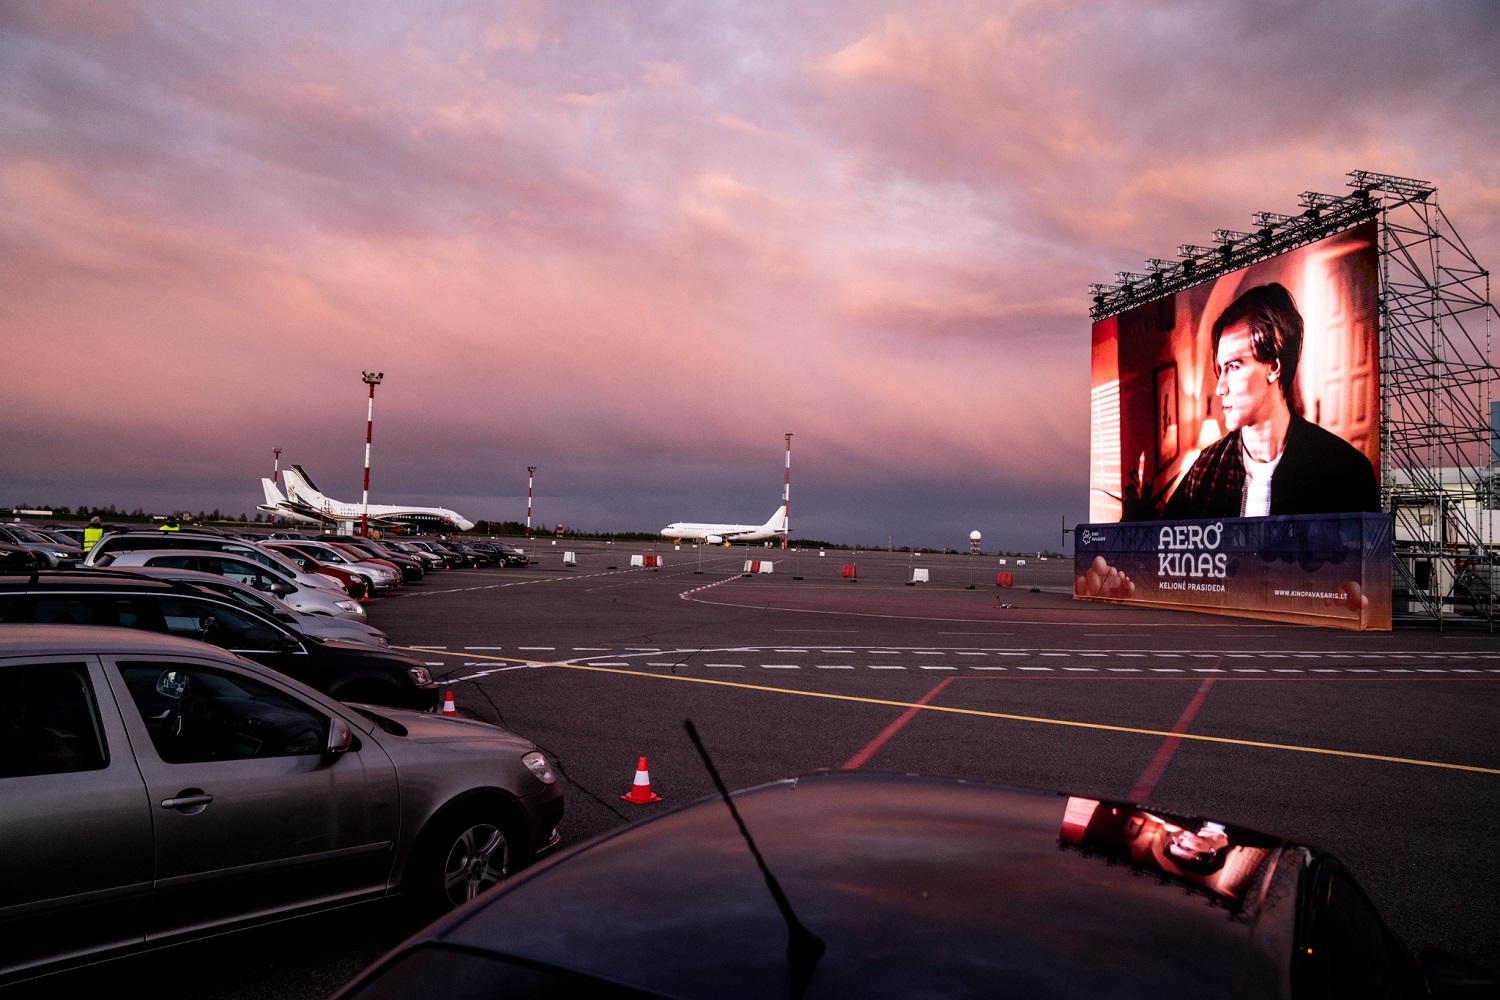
{"x": 713, "y": 539}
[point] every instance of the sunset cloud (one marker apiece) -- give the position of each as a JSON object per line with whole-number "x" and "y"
{"x": 635, "y": 244}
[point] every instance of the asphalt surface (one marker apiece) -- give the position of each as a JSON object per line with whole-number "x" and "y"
{"x": 1380, "y": 747}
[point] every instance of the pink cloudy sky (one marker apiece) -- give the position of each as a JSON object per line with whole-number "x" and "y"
{"x": 633, "y": 244}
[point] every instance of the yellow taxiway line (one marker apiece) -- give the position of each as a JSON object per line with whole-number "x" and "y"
{"x": 979, "y": 713}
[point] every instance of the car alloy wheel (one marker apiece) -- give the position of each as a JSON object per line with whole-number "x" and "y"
{"x": 478, "y": 857}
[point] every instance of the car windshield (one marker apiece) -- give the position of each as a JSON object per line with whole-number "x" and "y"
{"x": 252, "y": 601}
{"x": 26, "y": 535}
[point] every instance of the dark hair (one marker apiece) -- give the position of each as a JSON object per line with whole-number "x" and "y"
{"x": 1275, "y": 329}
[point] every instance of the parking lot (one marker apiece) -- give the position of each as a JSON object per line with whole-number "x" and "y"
{"x": 1377, "y": 746}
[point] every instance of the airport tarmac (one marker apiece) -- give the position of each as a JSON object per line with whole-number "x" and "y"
{"x": 1377, "y": 746}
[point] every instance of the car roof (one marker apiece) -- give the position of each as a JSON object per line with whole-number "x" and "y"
{"x": 88, "y": 578}
{"x": 918, "y": 886}
{"x": 69, "y": 640}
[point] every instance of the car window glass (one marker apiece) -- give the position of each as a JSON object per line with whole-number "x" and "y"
{"x": 87, "y": 609}
{"x": 255, "y": 555}
{"x": 217, "y": 624}
{"x": 13, "y": 608}
{"x": 197, "y": 714}
{"x": 175, "y": 562}
{"x": 249, "y": 600}
{"x": 49, "y": 721}
{"x": 237, "y": 570}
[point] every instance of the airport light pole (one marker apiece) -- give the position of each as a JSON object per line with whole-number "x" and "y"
{"x": 372, "y": 379}
{"x": 275, "y": 479}
{"x": 530, "y": 476}
{"x": 786, "y": 495}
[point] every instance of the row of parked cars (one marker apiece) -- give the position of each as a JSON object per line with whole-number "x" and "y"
{"x": 200, "y": 731}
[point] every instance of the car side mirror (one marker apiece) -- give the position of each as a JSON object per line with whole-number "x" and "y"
{"x": 340, "y": 736}
{"x": 289, "y": 644}
{"x": 280, "y": 589}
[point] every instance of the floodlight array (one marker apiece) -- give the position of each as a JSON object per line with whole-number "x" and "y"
{"x": 1274, "y": 233}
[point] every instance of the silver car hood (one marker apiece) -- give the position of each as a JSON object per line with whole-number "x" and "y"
{"x": 425, "y": 727}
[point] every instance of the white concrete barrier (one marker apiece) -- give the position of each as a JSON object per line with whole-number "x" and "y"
{"x": 918, "y": 575}
{"x": 570, "y": 558}
{"x": 758, "y": 566}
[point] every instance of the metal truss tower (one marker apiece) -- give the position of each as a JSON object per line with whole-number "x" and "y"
{"x": 1440, "y": 459}
{"x": 1438, "y": 380}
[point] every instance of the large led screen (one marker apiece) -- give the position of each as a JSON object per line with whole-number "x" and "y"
{"x": 1253, "y": 394}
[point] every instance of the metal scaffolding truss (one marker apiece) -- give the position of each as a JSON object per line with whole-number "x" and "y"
{"x": 1437, "y": 377}
{"x": 1437, "y": 381}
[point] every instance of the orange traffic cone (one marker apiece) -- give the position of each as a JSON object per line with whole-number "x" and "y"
{"x": 640, "y": 792}
{"x": 448, "y": 706}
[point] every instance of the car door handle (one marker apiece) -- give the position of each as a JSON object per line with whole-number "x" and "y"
{"x": 188, "y": 798}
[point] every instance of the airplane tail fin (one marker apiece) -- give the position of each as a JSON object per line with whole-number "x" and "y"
{"x": 274, "y": 499}
{"x": 300, "y": 487}
{"x": 777, "y": 523}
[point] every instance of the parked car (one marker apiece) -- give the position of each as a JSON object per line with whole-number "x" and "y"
{"x": 354, "y": 583}
{"x": 451, "y": 558}
{"x": 509, "y": 555}
{"x": 411, "y": 569}
{"x": 57, "y": 554}
{"x": 158, "y": 789}
{"x": 270, "y": 579}
{"x": 430, "y": 561}
{"x": 377, "y": 577}
{"x": 109, "y": 545}
{"x": 349, "y": 671}
{"x": 469, "y": 556}
{"x": 268, "y": 604}
{"x": 904, "y": 886}
{"x": 15, "y": 557}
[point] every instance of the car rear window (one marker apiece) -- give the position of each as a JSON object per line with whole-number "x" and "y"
{"x": 49, "y": 721}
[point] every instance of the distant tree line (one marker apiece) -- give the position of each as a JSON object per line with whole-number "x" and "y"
{"x": 507, "y": 528}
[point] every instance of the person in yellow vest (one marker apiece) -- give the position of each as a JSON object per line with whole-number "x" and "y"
{"x": 92, "y": 533}
{"x": 171, "y": 524}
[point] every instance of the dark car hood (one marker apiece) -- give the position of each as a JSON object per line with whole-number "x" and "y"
{"x": 919, "y": 887}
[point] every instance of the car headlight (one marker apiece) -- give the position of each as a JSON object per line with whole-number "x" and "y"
{"x": 347, "y": 605}
{"x": 420, "y": 676}
{"x": 382, "y": 640}
{"x": 538, "y": 765}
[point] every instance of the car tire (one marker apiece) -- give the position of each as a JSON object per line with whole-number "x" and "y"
{"x": 464, "y": 854}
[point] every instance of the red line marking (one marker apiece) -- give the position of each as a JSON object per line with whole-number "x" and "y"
{"x": 1146, "y": 783}
{"x": 870, "y": 748}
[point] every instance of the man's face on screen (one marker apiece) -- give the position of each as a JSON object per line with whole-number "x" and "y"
{"x": 1249, "y": 390}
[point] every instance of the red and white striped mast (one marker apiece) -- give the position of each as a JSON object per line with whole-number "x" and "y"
{"x": 786, "y": 494}
{"x": 275, "y": 480}
{"x": 530, "y": 475}
{"x": 372, "y": 379}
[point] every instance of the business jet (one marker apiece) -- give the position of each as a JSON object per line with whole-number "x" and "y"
{"x": 304, "y": 503}
{"x": 715, "y": 534}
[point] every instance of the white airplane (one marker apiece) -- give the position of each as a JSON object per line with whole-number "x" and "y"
{"x": 714, "y": 534}
{"x": 303, "y": 502}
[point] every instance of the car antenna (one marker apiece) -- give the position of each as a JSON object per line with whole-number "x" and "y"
{"x": 803, "y": 947}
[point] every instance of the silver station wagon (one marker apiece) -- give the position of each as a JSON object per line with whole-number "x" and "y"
{"x": 156, "y": 789}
